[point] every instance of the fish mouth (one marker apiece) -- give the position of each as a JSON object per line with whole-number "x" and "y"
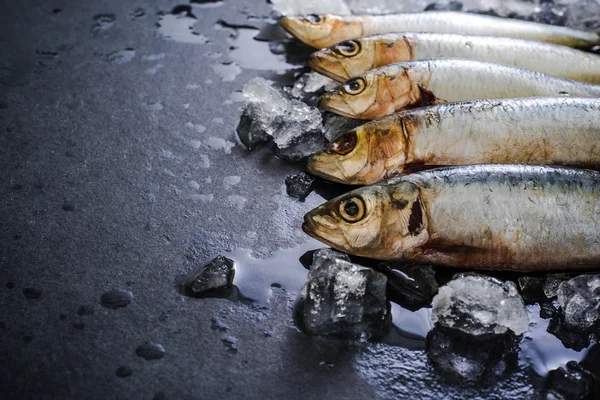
{"x": 288, "y": 25}
{"x": 325, "y": 103}
{"x": 319, "y": 63}
{"x": 318, "y": 168}
{"x": 323, "y": 233}
{"x": 296, "y": 28}
{"x": 309, "y": 227}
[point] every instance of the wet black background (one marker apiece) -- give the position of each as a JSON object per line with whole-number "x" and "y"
{"x": 102, "y": 187}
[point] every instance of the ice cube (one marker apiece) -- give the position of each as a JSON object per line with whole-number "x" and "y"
{"x": 307, "y": 259}
{"x": 571, "y": 382}
{"x": 294, "y": 126}
{"x": 579, "y": 299}
{"x": 299, "y": 186}
{"x": 480, "y": 305}
{"x": 308, "y": 86}
{"x": 343, "y": 299}
{"x": 216, "y": 275}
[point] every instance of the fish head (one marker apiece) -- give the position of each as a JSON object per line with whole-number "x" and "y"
{"x": 372, "y": 95}
{"x": 383, "y": 221}
{"x": 322, "y": 30}
{"x": 344, "y": 60}
{"x": 364, "y": 155}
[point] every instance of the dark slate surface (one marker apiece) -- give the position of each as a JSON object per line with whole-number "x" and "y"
{"x": 96, "y": 194}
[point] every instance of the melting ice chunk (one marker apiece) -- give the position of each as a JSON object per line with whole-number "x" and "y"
{"x": 294, "y": 127}
{"x": 216, "y": 275}
{"x": 579, "y": 299}
{"x": 343, "y": 299}
{"x": 480, "y": 305}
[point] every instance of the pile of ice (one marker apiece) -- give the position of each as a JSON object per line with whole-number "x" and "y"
{"x": 342, "y": 299}
{"x": 294, "y": 127}
{"x": 479, "y": 305}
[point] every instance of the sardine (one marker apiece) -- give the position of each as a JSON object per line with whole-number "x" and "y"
{"x": 555, "y": 131}
{"x": 326, "y": 30}
{"x": 510, "y": 217}
{"x": 382, "y": 91}
{"x": 354, "y": 57}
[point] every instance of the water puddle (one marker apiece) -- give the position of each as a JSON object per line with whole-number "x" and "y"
{"x": 178, "y": 26}
{"x": 542, "y": 350}
{"x": 255, "y": 278}
{"x": 250, "y": 53}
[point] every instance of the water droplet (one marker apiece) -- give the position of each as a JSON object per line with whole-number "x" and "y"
{"x": 85, "y": 310}
{"x": 326, "y": 364}
{"x": 230, "y": 344}
{"x": 193, "y": 185}
{"x": 68, "y": 207}
{"x": 32, "y": 293}
{"x": 124, "y": 372}
{"x": 203, "y": 198}
{"x": 150, "y": 351}
{"x": 153, "y": 57}
{"x": 236, "y": 200}
{"x": 218, "y": 324}
{"x": 151, "y": 106}
{"x": 137, "y": 14}
{"x": 228, "y": 71}
{"x": 230, "y": 181}
{"x": 153, "y": 70}
{"x": 56, "y": 10}
{"x": 103, "y": 22}
{"x": 121, "y": 57}
{"x": 216, "y": 143}
{"x": 116, "y": 298}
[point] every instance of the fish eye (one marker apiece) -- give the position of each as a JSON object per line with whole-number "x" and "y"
{"x": 348, "y": 48}
{"x": 352, "y": 209}
{"x": 355, "y": 86}
{"x": 344, "y": 144}
{"x": 314, "y": 19}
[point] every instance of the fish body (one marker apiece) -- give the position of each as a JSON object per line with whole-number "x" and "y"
{"x": 354, "y": 57}
{"x": 326, "y": 30}
{"x": 385, "y": 90}
{"x": 554, "y": 131}
{"x": 508, "y": 217}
